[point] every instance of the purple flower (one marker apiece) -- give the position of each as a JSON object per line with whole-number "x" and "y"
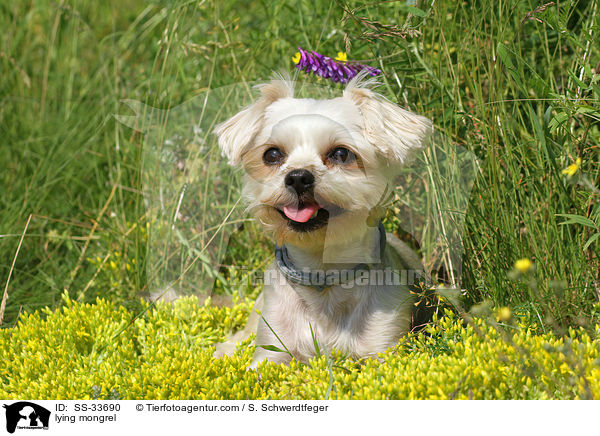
{"x": 337, "y": 70}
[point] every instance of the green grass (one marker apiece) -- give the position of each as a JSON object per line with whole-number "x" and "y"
{"x": 520, "y": 94}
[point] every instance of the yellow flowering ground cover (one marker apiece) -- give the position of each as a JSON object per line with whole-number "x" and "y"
{"x": 101, "y": 350}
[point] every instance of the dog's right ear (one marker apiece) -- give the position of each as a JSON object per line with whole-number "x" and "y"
{"x": 397, "y": 133}
{"x": 237, "y": 134}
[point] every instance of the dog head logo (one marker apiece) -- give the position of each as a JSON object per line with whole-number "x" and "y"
{"x": 314, "y": 167}
{"x": 24, "y": 414}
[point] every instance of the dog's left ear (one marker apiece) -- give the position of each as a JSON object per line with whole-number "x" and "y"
{"x": 395, "y": 132}
{"x": 237, "y": 133}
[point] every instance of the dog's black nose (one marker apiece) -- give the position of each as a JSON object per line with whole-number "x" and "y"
{"x": 300, "y": 181}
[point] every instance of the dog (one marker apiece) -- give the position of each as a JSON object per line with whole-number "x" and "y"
{"x": 316, "y": 176}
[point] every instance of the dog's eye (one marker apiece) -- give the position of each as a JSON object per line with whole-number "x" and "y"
{"x": 341, "y": 155}
{"x": 273, "y": 156}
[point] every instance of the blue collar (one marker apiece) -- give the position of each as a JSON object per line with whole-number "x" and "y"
{"x": 321, "y": 280}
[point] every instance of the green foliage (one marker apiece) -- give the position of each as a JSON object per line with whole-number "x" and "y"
{"x": 516, "y": 84}
{"x": 104, "y": 351}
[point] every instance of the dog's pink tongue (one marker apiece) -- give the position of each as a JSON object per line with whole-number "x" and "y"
{"x": 300, "y": 215}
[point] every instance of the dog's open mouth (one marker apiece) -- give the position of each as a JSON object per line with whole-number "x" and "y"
{"x": 308, "y": 216}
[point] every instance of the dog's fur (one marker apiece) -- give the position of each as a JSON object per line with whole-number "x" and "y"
{"x": 360, "y": 320}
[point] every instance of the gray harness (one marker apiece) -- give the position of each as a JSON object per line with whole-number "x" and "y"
{"x": 321, "y": 280}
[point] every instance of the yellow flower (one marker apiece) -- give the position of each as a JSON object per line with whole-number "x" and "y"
{"x": 573, "y": 168}
{"x": 523, "y": 265}
{"x": 503, "y": 314}
{"x": 296, "y": 57}
{"x": 341, "y": 56}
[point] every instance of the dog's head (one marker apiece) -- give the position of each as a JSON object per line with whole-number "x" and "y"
{"x": 319, "y": 166}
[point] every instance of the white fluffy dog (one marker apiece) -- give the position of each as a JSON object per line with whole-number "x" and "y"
{"x": 317, "y": 173}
